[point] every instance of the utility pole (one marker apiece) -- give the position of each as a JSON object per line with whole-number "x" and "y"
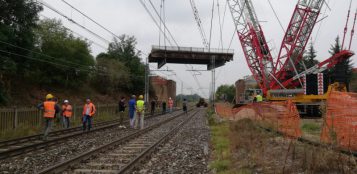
{"x": 147, "y": 72}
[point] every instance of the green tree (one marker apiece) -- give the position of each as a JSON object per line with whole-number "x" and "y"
{"x": 112, "y": 75}
{"x": 226, "y": 92}
{"x": 17, "y": 21}
{"x": 308, "y": 60}
{"x": 65, "y": 60}
{"x": 124, "y": 50}
{"x": 342, "y": 71}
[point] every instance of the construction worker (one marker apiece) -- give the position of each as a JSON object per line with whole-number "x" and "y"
{"x": 122, "y": 107}
{"x": 163, "y": 107}
{"x": 66, "y": 113}
{"x": 184, "y": 105}
{"x": 88, "y": 113}
{"x": 132, "y": 109}
{"x": 259, "y": 98}
{"x": 50, "y": 109}
{"x": 140, "y": 111}
{"x": 153, "y": 105}
{"x": 171, "y": 104}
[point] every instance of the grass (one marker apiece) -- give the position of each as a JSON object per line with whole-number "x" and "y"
{"x": 311, "y": 127}
{"x": 23, "y": 130}
{"x": 221, "y": 146}
{"x": 243, "y": 148}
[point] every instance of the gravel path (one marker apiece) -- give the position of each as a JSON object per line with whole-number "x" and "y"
{"x": 37, "y": 160}
{"x": 186, "y": 152}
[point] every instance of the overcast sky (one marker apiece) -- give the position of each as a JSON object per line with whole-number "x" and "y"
{"x": 129, "y": 17}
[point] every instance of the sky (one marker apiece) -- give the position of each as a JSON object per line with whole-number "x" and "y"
{"x": 130, "y": 17}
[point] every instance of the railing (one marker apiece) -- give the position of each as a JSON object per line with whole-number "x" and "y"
{"x": 193, "y": 49}
{"x": 16, "y": 118}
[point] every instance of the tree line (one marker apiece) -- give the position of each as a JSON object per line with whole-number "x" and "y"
{"x": 46, "y": 54}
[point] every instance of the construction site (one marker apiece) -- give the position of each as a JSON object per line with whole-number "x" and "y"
{"x": 246, "y": 107}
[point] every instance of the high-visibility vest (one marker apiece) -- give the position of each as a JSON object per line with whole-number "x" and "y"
{"x": 91, "y": 109}
{"x": 171, "y": 103}
{"x": 67, "y": 110}
{"x": 259, "y": 98}
{"x": 49, "y": 109}
{"x": 140, "y": 106}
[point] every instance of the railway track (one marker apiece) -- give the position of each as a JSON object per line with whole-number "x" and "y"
{"x": 14, "y": 147}
{"x": 122, "y": 155}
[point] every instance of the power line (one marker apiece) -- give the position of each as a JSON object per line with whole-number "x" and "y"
{"x": 81, "y": 36}
{"x": 73, "y": 21}
{"x": 63, "y": 61}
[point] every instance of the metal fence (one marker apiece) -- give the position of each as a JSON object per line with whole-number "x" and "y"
{"x": 15, "y": 118}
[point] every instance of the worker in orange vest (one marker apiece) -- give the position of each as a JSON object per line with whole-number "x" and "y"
{"x": 88, "y": 113}
{"x": 50, "y": 109}
{"x": 66, "y": 113}
{"x": 171, "y": 104}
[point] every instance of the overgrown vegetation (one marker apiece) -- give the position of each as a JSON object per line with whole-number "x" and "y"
{"x": 221, "y": 145}
{"x": 226, "y": 93}
{"x": 44, "y": 55}
{"x": 243, "y": 147}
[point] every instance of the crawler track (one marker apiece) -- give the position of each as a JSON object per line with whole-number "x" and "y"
{"x": 122, "y": 155}
{"x": 27, "y": 144}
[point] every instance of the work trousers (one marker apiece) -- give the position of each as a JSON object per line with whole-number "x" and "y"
{"x": 132, "y": 118}
{"x": 139, "y": 117}
{"x": 89, "y": 119}
{"x": 66, "y": 122}
{"x": 121, "y": 117}
{"x": 48, "y": 126}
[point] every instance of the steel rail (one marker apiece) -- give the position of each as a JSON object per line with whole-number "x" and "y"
{"x": 24, "y": 147}
{"x": 146, "y": 153}
{"x": 58, "y": 168}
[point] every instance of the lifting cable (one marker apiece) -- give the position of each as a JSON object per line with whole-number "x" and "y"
{"x": 154, "y": 20}
{"x": 163, "y": 20}
{"x": 276, "y": 16}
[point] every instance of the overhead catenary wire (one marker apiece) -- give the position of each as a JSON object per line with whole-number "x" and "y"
{"x": 73, "y": 21}
{"x": 79, "y": 35}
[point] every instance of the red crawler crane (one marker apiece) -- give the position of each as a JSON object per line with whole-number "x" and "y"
{"x": 282, "y": 73}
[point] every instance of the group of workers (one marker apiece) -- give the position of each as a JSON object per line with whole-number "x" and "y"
{"x": 51, "y": 108}
{"x": 155, "y": 104}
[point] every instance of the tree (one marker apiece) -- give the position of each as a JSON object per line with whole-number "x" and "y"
{"x": 308, "y": 59}
{"x": 124, "y": 51}
{"x": 226, "y": 92}
{"x": 112, "y": 75}
{"x": 342, "y": 71}
{"x": 65, "y": 60}
{"x": 17, "y": 21}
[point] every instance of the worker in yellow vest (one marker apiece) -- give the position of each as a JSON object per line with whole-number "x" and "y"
{"x": 50, "y": 109}
{"x": 140, "y": 111}
{"x": 259, "y": 98}
{"x": 66, "y": 113}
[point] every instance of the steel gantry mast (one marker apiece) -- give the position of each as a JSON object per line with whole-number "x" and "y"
{"x": 253, "y": 42}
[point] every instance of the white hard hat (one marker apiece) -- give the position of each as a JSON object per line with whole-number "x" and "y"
{"x": 66, "y": 101}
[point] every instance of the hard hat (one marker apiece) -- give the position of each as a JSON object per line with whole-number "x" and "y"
{"x": 141, "y": 97}
{"x": 66, "y": 101}
{"x": 49, "y": 96}
{"x": 170, "y": 98}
